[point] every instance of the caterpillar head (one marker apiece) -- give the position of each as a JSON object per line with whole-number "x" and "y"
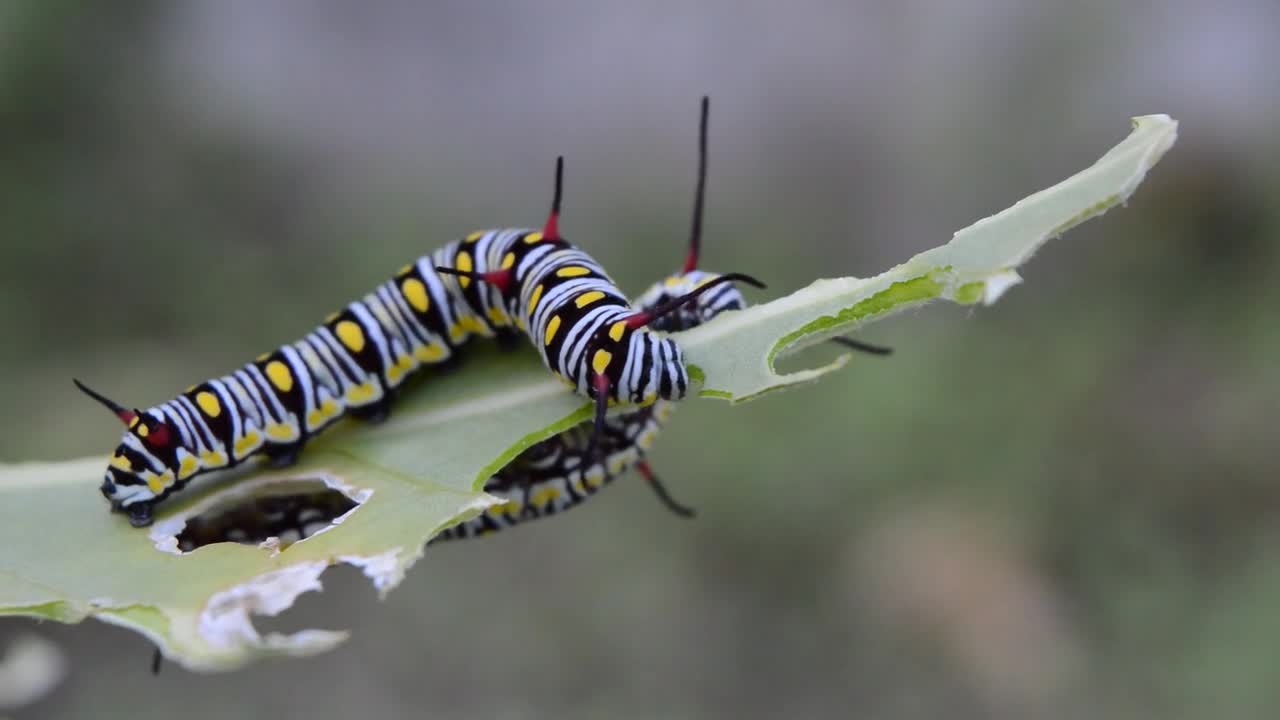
{"x": 139, "y": 471}
{"x": 704, "y": 306}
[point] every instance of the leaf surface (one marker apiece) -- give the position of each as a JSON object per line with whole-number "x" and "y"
{"x": 65, "y": 558}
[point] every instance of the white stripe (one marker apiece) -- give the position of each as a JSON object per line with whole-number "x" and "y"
{"x": 302, "y": 375}
{"x": 229, "y": 405}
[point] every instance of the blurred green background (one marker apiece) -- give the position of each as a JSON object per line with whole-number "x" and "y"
{"x": 1065, "y": 505}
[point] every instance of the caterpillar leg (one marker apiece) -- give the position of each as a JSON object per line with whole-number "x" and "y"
{"x": 283, "y": 456}
{"x": 601, "y": 384}
{"x": 376, "y": 413}
{"x": 141, "y": 514}
{"x": 156, "y": 659}
{"x": 525, "y": 488}
{"x": 508, "y": 339}
{"x": 661, "y": 491}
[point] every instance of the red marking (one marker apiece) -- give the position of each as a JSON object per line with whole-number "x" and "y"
{"x": 158, "y": 436}
{"x": 601, "y": 383}
{"x": 691, "y": 262}
{"x": 645, "y": 470}
{"x": 551, "y": 230}
{"x": 638, "y": 320}
{"x": 498, "y": 278}
{"x": 126, "y": 416}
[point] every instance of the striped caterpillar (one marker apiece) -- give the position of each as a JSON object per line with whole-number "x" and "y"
{"x": 548, "y": 478}
{"x": 553, "y": 475}
{"x": 489, "y": 284}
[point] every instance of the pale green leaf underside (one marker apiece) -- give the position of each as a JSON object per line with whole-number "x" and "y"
{"x": 65, "y": 558}
{"x": 978, "y": 265}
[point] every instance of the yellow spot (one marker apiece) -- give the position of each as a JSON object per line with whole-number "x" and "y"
{"x": 280, "y": 376}
{"x": 533, "y": 237}
{"x": 361, "y": 393}
{"x": 473, "y": 324}
{"x": 404, "y": 270}
{"x": 158, "y": 483}
{"x": 351, "y": 335}
{"x": 663, "y": 412}
{"x": 247, "y": 443}
{"x": 647, "y": 438}
{"x": 552, "y": 327}
{"x": 213, "y": 459}
{"x": 672, "y": 281}
{"x": 475, "y": 236}
{"x": 587, "y": 298}
{"x": 508, "y": 260}
{"x": 121, "y": 462}
{"x": 188, "y": 467}
{"x": 594, "y": 477}
{"x": 328, "y": 409}
{"x": 616, "y": 331}
{"x": 544, "y": 496}
{"x": 572, "y": 271}
{"x": 403, "y": 365}
{"x": 208, "y": 402}
{"x": 498, "y": 316}
{"x": 133, "y": 423}
{"x": 511, "y": 506}
{"x": 456, "y": 333}
{"x": 330, "y": 317}
{"x": 464, "y": 263}
{"x": 600, "y": 362}
{"x": 262, "y": 357}
{"x": 533, "y": 299}
{"x": 416, "y": 293}
{"x": 143, "y": 431}
{"x": 617, "y": 463}
{"x": 648, "y": 400}
{"x": 430, "y": 353}
{"x": 281, "y": 431}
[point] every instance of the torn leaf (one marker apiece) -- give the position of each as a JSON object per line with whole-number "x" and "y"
{"x": 64, "y": 557}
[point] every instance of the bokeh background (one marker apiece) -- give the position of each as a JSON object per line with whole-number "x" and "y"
{"x": 1065, "y": 505}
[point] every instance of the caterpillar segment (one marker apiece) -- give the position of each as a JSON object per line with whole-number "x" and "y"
{"x": 489, "y": 284}
{"x": 560, "y": 473}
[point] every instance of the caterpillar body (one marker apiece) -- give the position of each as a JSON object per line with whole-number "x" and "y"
{"x": 562, "y": 472}
{"x": 490, "y": 283}
{"x": 548, "y": 478}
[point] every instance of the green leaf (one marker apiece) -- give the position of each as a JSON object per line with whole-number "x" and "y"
{"x": 65, "y": 558}
{"x": 735, "y": 352}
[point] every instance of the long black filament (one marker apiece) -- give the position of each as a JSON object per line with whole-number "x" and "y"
{"x": 699, "y": 195}
{"x": 676, "y": 303}
{"x": 862, "y": 346}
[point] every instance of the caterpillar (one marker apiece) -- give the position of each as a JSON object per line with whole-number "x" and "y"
{"x": 492, "y": 283}
{"x": 550, "y": 476}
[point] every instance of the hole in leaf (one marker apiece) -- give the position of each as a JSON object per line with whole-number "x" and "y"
{"x": 280, "y": 514}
